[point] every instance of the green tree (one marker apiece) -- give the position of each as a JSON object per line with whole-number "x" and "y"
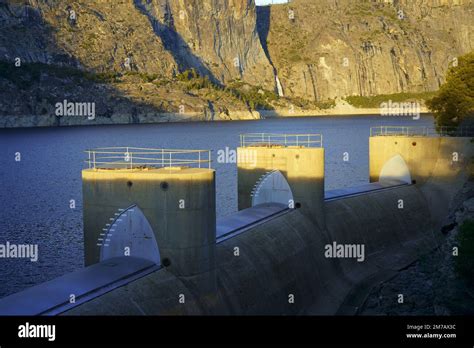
{"x": 454, "y": 101}
{"x": 464, "y": 264}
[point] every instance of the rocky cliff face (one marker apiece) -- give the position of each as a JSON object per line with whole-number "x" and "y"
{"x": 217, "y": 37}
{"x": 95, "y": 35}
{"x": 137, "y": 50}
{"x": 328, "y": 48}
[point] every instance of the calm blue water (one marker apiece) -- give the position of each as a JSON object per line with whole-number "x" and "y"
{"x": 35, "y": 192}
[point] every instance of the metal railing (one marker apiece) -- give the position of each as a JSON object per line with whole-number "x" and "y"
{"x": 421, "y": 131}
{"x": 136, "y": 157}
{"x": 269, "y": 139}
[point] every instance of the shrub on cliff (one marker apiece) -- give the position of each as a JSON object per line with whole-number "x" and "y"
{"x": 187, "y": 75}
{"x": 465, "y": 260}
{"x": 29, "y": 74}
{"x": 191, "y": 80}
{"x": 256, "y": 98}
{"x": 377, "y": 100}
{"x": 454, "y": 101}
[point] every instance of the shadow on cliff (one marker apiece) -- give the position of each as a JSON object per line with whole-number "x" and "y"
{"x": 263, "y": 27}
{"x": 264, "y": 14}
{"x": 173, "y": 42}
{"x": 46, "y": 78}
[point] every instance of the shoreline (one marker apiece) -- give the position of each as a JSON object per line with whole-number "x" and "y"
{"x": 52, "y": 121}
{"x": 336, "y": 112}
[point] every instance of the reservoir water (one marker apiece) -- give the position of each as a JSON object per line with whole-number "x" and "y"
{"x": 36, "y": 191}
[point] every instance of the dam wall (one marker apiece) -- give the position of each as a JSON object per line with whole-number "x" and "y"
{"x": 393, "y": 237}
{"x": 285, "y": 257}
{"x": 284, "y": 263}
{"x": 259, "y": 270}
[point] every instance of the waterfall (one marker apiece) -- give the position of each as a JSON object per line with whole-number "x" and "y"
{"x": 279, "y": 86}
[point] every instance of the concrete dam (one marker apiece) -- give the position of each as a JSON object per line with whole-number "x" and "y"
{"x": 153, "y": 245}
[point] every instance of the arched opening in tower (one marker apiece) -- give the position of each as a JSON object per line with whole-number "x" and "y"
{"x": 130, "y": 234}
{"x": 272, "y": 187}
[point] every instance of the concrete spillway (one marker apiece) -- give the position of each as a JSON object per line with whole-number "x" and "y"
{"x": 245, "y": 219}
{"x": 54, "y": 297}
{"x": 269, "y": 258}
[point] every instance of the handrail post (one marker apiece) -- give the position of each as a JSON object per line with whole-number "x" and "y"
{"x": 93, "y": 156}
{"x": 131, "y": 159}
{"x": 127, "y": 156}
{"x": 199, "y": 159}
{"x": 89, "y": 161}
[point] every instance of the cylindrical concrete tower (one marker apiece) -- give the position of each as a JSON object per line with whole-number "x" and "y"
{"x": 300, "y": 160}
{"x": 140, "y": 200}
